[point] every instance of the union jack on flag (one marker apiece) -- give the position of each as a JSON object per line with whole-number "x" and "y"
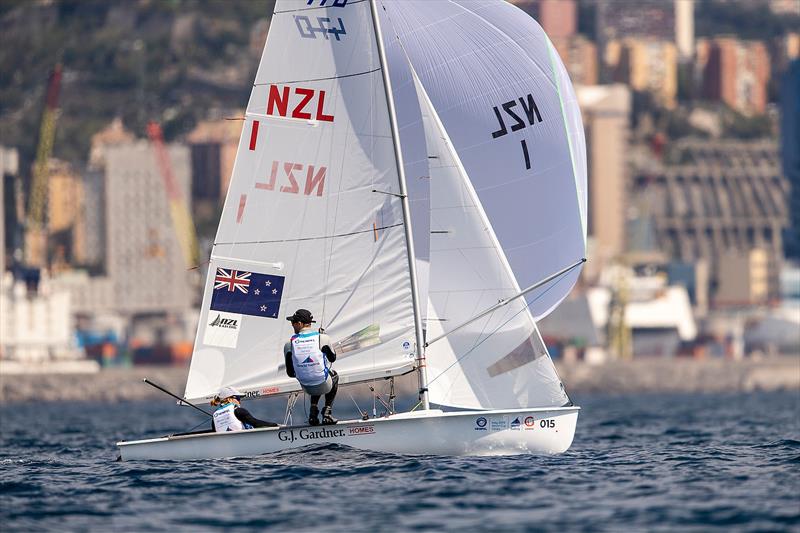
{"x": 232, "y": 279}
{"x": 247, "y": 293}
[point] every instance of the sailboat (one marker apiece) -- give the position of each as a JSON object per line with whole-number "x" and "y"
{"x": 402, "y": 166}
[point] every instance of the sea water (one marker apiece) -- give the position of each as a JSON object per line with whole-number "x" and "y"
{"x": 643, "y": 463}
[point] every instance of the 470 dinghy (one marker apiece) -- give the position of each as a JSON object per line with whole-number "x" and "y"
{"x": 403, "y": 166}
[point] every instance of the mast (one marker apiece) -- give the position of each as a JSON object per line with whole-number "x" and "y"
{"x": 387, "y": 85}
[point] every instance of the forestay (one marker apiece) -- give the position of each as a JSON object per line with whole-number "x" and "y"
{"x": 303, "y": 225}
{"x": 498, "y": 360}
{"x": 506, "y": 102}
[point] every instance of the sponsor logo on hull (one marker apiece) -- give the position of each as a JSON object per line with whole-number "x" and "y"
{"x": 498, "y": 424}
{"x": 530, "y": 423}
{"x": 332, "y": 432}
{"x": 292, "y": 435}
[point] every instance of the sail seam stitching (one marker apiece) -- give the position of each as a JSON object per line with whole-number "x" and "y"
{"x": 351, "y": 2}
{"x": 318, "y": 79}
{"x": 370, "y": 230}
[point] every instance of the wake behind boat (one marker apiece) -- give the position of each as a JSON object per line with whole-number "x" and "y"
{"x": 319, "y": 216}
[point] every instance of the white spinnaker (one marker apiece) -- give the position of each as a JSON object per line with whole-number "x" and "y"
{"x": 473, "y": 58}
{"x": 339, "y": 246}
{"x": 499, "y": 360}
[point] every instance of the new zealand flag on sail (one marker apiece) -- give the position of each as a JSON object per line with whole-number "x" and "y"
{"x": 247, "y": 293}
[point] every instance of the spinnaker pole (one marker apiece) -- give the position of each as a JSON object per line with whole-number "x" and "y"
{"x": 398, "y": 154}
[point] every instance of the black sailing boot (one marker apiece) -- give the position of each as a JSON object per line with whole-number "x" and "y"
{"x": 327, "y": 419}
{"x": 313, "y": 415}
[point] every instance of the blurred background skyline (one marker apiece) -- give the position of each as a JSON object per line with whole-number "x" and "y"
{"x": 117, "y": 144}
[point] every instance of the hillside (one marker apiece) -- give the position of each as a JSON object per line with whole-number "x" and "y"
{"x": 175, "y": 61}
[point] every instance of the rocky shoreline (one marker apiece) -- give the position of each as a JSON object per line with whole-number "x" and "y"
{"x": 637, "y": 376}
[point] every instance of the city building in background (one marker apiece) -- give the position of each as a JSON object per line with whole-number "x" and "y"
{"x": 579, "y": 55}
{"x": 790, "y": 153}
{"x": 690, "y": 212}
{"x": 711, "y": 199}
{"x": 646, "y": 65}
{"x": 684, "y": 29}
{"x": 606, "y": 110}
{"x": 11, "y": 196}
{"x": 37, "y": 329}
{"x": 213, "y": 146}
{"x": 735, "y": 72}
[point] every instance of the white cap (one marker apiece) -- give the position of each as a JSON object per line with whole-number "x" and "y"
{"x": 227, "y": 392}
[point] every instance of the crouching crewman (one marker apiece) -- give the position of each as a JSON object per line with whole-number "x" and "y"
{"x": 308, "y": 356}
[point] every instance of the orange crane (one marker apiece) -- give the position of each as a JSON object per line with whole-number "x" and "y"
{"x": 36, "y": 234}
{"x": 181, "y": 218}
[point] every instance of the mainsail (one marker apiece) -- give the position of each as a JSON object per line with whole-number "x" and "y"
{"x": 313, "y": 217}
{"x": 504, "y": 98}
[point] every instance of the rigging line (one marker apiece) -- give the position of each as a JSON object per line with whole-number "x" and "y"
{"x": 310, "y": 238}
{"x": 525, "y": 307}
{"x": 360, "y": 412}
{"x": 317, "y": 79}
{"x": 349, "y": 3}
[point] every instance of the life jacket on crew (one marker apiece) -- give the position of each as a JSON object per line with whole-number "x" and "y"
{"x": 225, "y": 420}
{"x": 311, "y": 367}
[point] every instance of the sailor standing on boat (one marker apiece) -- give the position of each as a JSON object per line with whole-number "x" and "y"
{"x": 308, "y": 356}
{"x": 230, "y": 416}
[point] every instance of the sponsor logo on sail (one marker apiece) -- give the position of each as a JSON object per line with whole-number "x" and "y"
{"x": 529, "y": 423}
{"x": 222, "y": 329}
{"x": 480, "y": 423}
{"x": 220, "y": 322}
{"x": 515, "y": 424}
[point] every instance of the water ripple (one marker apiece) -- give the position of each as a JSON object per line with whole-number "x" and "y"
{"x": 655, "y": 463}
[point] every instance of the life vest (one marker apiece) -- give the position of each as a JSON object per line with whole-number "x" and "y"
{"x": 310, "y": 365}
{"x": 225, "y": 420}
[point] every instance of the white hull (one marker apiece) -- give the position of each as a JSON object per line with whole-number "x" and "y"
{"x": 496, "y": 432}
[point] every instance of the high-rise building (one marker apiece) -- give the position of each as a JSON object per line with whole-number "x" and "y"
{"x": 615, "y": 21}
{"x": 788, "y": 7}
{"x": 645, "y": 18}
{"x": 65, "y": 206}
{"x": 736, "y": 73}
{"x": 606, "y": 110}
{"x": 650, "y": 66}
{"x": 213, "y": 145}
{"x": 790, "y": 151}
{"x": 558, "y": 18}
{"x": 714, "y": 199}
{"x": 9, "y": 217}
{"x": 143, "y": 255}
{"x": 113, "y": 134}
{"x": 784, "y": 49}
{"x": 743, "y": 278}
{"x": 144, "y": 269}
{"x": 93, "y": 218}
{"x": 579, "y": 55}
{"x": 684, "y": 29}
